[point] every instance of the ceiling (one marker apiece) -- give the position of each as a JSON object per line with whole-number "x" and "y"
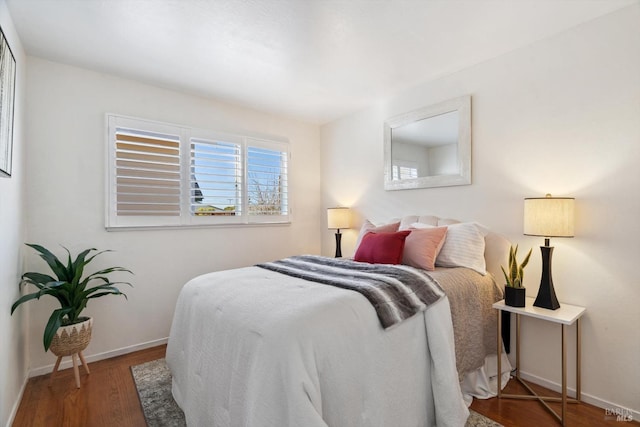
{"x": 315, "y": 60}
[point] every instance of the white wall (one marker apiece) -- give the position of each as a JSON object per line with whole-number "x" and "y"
{"x": 559, "y": 116}
{"x": 13, "y": 357}
{"x": 443, "y": 160}
{"x": 66, "y": 199}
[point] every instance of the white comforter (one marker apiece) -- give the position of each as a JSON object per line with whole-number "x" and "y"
{"x": 252, "y": 347}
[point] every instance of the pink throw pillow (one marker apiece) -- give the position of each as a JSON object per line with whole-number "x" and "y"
{"x": 422, "y": 247}
{"x": 382, "y": 248}
{"x": 368, "y": 227}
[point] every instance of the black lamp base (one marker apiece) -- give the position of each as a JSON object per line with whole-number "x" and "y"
{"x": 338, "y": 245}
{"x": 546, "y": 294}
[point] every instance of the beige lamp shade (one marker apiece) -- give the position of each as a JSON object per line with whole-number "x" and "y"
{"x": 549, "y": 216}
{"x": 338, "y": 218}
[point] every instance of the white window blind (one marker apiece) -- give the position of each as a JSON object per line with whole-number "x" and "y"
{"x": 147, "y": 173}
{"x": 216, "y": 178}
{"x": 267, "y": 185}
{"x": 170, "y": 175}
{"x": 408, "y": 170}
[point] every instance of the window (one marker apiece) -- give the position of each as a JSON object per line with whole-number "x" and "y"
{"x": 166, "y": 175}
{"x": 215, "y": 177}
{"x": 404, "y": 170}
{"x": 266, "y": 180}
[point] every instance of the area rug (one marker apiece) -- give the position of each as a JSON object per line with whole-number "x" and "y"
{"x": 153, "y": 381}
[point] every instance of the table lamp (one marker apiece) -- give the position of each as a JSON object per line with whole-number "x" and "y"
{"x": 338, "y": 218}
{"x": 548, "y": 217}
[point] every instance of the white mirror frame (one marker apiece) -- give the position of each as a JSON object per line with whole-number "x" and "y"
{"x": 463, "y": 106}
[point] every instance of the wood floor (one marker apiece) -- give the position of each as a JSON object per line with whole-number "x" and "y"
{"x": 529, "y": 413}
{"x": 108, "y": 397}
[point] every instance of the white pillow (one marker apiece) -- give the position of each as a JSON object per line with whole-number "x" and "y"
{"x": 463, "y": 246}
{"x": 407, "y": 221}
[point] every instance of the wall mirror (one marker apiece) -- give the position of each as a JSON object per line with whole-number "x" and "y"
{"x": 429, "y": 147}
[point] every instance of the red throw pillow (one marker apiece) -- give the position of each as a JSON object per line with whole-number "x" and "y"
{"x": 368, "y": 227}
{"x": 382, "y": 248}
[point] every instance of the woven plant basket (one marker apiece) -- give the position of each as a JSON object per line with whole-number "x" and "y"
{"x": 72, "y": 339}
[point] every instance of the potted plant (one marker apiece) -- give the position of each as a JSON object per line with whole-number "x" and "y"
{"x": 514, "y": 291}
{"x": 66, "y": 332}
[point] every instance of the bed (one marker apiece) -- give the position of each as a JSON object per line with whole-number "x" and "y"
{"x": 256, "y": 347}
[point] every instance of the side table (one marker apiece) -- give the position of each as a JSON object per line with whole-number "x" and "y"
{"x": 566, "y": 315}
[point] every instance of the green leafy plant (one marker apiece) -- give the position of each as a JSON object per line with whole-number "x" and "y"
{"x": 515, "y": 275}
{"x": 69, "y": 287}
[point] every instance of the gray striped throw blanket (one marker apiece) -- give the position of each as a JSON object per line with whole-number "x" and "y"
{"x": 396, "y": 292}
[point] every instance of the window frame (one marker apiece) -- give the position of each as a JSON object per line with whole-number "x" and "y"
{"x": 186, "y": 219}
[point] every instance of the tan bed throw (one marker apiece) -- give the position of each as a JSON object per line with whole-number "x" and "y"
{"x": 471, "y": 296}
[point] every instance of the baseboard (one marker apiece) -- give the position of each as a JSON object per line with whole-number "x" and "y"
{"x": 67, "y": 362}
{"x": 609, "y": 409}
{"x": 16, "y": 405}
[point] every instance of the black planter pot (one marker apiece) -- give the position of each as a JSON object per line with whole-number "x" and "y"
{"x": 514, "y": 296}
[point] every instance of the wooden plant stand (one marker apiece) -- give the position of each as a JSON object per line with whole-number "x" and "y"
{"x": 76, "y": 371}
{"x": 71, "y": 340}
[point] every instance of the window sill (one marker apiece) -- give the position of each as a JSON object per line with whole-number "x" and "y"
{"x": 197, "y": 226}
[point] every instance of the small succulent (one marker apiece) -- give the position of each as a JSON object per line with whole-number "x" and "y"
{"x": 515, "y": 277}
